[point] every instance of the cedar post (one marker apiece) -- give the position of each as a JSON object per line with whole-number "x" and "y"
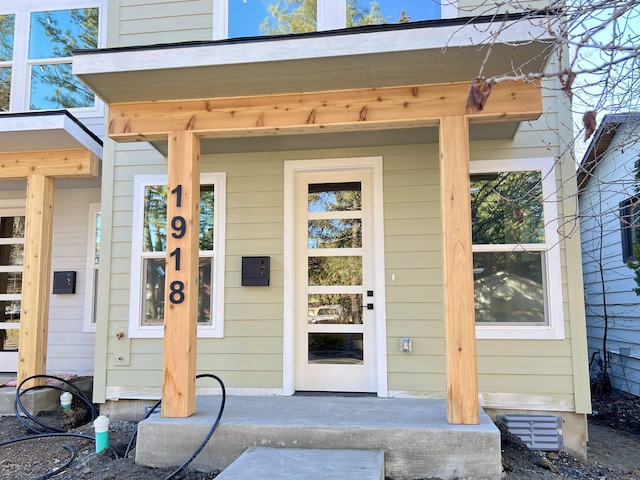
{"x": 459, "y": 311}
{"x": 32, "y": 353}
{"x": 181, "y": 290}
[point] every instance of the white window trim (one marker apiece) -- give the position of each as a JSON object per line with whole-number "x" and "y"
{"x": 552, "y": 281}
{"x": 216, "y": 329}
{"x": 20, "y": 65}
{"x": 331, "y": 15}
{"x": 89, "y": 324}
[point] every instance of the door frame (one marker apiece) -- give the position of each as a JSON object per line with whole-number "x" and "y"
{"x": 291, "y": 169}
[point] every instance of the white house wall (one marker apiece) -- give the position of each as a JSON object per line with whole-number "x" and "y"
{"x": 611, "y": 183}
{"x": 70, "y": 348}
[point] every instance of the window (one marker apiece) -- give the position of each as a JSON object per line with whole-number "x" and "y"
{"x": 629, "y": 222}
{"x": 251, "y": 18}
{"x": 93, "y": 260}
{"x": 35, "y": 54}
{"x": 7, "y": 32}
{"x": 148, "y": 255}
{"x": 516, "y": 259}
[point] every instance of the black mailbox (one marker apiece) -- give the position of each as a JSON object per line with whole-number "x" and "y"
{"x": 255, "y": 271}
{"x": 64, "y": 282}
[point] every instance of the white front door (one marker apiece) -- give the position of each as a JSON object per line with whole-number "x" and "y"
{"x": 12, "y": 223}
{"x": 334, "y": 275}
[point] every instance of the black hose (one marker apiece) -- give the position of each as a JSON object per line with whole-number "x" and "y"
{"x": 59, "y": 469}
{"x": 17, "y": 405}
{"x": 54, "y": 432}
{"x": 211, "y": 431}
{"x": 94, "y": 414}
{"x": 135, "y": 432}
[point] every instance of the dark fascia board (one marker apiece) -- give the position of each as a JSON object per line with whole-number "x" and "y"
{"x": 387, "y": 27}
{"x": 600, "y": 143}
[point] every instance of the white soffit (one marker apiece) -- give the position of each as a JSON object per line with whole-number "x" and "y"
{"x": 35, "y": 131}
{"x": 421, "y": 53}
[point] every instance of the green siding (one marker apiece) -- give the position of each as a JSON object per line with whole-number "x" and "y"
{"x": 145, "y": 22}
{"x": 250, "y": 354}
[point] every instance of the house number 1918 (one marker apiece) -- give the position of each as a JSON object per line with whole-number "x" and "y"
{"x": 179, "y": 227}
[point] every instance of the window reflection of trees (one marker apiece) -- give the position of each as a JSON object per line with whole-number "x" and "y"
{"x": 54, "y": 85}
{"x": 507, "y": 210}
{"x": 155, "y": 240}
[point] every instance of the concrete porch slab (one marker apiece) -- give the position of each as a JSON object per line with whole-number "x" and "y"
{"x": 414, "y": 434}
{"x": 306, "y": 464}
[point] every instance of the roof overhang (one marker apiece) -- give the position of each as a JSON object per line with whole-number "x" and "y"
{"x": 53, "y": 144}
{"x": 45, "y": 131}
{"x": 438, "y": 51}
{"x": 366, "y": 57}
{"x": 600, "y": 143}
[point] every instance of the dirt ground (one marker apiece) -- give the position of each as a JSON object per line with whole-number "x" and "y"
{"x": 614, "y": 450}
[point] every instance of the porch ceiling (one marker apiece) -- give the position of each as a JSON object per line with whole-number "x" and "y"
{"x": 366, "y": 57}
{"x": 45, "y": 131}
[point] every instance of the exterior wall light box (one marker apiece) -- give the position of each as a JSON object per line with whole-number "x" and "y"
{"x": 64, "y": 283}
{"x": 255, "y": 271}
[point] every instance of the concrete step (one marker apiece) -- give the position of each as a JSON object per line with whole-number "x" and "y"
{"x": 306, "y": 464}
{"x": 414, "y": 434}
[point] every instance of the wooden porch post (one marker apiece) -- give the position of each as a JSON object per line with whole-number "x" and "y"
{"x": 181, "y": 291}
{"x": 459, "y": 312}
{"x": 32, "y": 354}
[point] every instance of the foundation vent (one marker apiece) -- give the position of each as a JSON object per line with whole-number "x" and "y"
{"x": 538, "y": 432}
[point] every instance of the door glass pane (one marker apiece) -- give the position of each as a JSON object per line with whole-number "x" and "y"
{"x": 342, "y": 348}
{"x": 251, "y": 18}
{"x": 509, "y": 287}
{"x": 373, "y": 12}
{"x": 335, "y": 197}
{"x": 9, "y": 313}
{"x": 507, "y": 208}
{"x": 10, "y": 283}
{"x": 7, "y": 28}
{"x": 12, "y": 255}
{"x": 335, "y": 233}
{"x": 56, "y": 33}
{"x": 335, "y": 309}
{"x": 335, "y": 270}
{"x": 5, "y": 88}
{"x": 11, "y": 227}
{"x": 154, "y": 281}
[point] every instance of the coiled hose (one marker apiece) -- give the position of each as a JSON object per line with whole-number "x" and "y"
{"x": 55, "y": 432}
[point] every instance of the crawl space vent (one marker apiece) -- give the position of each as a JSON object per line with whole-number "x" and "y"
{"x": 538, "y": 432}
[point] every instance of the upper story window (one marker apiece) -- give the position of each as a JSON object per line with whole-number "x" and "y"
{"x": 251, "y": 18}
{"x": 35, "y": 54}
{"x": 516, "y": 262}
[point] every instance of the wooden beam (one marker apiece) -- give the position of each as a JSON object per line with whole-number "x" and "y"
{"x": 54, "y": 163}
{"x": 459, "y": 311}
{"x": 32, "y": 353}
{"x": 330, "y": 111}
{"x": 181, "y": 290}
